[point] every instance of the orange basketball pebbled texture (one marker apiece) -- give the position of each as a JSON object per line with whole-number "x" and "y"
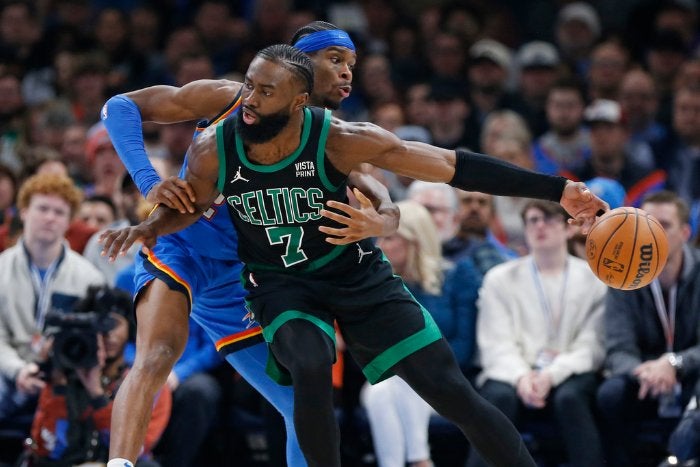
{"x": 626, "y": 248}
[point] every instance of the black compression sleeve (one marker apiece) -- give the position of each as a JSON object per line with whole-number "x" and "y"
{"x": 477, "y": 172}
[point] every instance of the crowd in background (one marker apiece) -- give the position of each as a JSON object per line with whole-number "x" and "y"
{"x": 606, "y": 92}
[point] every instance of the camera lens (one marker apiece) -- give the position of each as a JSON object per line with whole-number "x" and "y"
{"x": 75, "y": 348}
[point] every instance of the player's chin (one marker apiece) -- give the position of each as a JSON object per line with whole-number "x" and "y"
{"x": 333, "y": 103}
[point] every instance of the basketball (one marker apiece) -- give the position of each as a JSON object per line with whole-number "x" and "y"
{"x": 626, "y": 248}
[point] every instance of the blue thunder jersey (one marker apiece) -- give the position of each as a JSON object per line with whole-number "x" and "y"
{"x": 275, "y": 208}
{"x": 212, "y": 235}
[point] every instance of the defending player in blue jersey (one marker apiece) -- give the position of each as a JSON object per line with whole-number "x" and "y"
{"x": 197, "y": 269}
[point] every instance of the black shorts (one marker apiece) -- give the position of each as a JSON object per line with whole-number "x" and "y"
{"x": 380, "y": 320}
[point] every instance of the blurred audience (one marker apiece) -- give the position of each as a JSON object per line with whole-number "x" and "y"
{"x": 450, "y": 125}
{"x": 539, "y": 65}
{"x": 639, "y": 101}
{"x": 679, "y": 154}
{"x": 8, "y": 194}
{"x": 578, "y": 28}
{"x": 106, "y": 169}
{"x": 474, "y": 238}
{"x": 609, "y": 62}
{"x": 490, "y": 65}
{"x": 567, "y": 145}
{"x": 440, "y": 199}
{"x": 610, "y": 156}
{"x": 97, "y": 211}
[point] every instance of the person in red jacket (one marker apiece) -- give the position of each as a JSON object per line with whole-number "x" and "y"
{"x": 72, "y": 421}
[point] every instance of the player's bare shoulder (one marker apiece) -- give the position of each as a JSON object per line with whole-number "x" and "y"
{"x": 341, "y": 129}
{"x": 209, "y": 96}
{"x": 226, "y": 86}
{"x": 351, "y": 143}
{"x": 197, "y": 100}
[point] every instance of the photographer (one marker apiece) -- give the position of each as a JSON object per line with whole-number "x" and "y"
{"x": 38, "y": 274}
{"x": 72, "y": 422}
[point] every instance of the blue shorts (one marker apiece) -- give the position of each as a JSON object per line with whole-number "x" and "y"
{"x": 212, "y": 287}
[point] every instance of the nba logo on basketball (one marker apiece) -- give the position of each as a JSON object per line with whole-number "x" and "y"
{"x": 614, "y": 265}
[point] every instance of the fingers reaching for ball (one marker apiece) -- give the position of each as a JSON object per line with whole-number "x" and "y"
{"x": 583, "y": 206}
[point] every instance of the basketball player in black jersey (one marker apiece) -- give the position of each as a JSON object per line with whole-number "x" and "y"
{"x": 195, "y": 273}
{"x": 295, "y": 160}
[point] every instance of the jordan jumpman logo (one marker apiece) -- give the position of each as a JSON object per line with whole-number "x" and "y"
{"x": 238, "y": 176}
{"x": 361, "y": 253}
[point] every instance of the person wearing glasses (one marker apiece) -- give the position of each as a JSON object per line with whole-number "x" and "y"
{"x": 539, "y": 335}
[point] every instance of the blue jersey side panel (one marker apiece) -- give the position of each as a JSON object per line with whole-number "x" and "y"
{"x": 213, "y": 235}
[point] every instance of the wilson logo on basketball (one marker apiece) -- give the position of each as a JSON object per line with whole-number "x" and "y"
{"x": 646, "y": 255}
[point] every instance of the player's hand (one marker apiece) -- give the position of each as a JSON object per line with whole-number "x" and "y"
{"x": 175, "y": 193}
{"x": 359, "y": 223}
{"x": 117, "y": 242}
{"x": 582, "y": 205}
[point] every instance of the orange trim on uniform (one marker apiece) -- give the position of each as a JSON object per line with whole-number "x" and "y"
{"x": 153, "y": 259}
{"x": 239, "y": 336}
{"x": 236, "y": 104}
{"x": 231, "y": 109}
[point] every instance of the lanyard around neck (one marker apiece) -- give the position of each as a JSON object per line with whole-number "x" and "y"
{"x": 553, "y": 319}
{"x": 42, "y": 287}
{"x": 667, "y": 316}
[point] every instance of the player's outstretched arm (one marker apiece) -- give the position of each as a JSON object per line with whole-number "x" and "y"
{"x": 352, "y": 143}
{"x": 377, "y": 215}
{"x": 201, "y": 174}
{"x": 201, "y": 99}
{"x": 123, "y": 115}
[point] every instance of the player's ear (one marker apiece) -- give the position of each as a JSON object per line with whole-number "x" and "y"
{"x": 301, "y": 100}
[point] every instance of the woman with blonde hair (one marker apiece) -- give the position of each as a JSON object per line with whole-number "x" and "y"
{"x": 398, "y": 417}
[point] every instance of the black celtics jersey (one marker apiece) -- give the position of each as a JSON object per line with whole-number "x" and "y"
{"x": 275, "y": 208}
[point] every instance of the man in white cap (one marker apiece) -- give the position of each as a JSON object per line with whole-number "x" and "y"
{"x": 610, "y": 157}
{"x": 489, "y": 68}
{"x": 538, "y": 65}
{"x": 577, "y": 30}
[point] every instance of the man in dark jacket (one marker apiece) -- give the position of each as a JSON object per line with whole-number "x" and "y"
{"x": 651, "y": 334}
